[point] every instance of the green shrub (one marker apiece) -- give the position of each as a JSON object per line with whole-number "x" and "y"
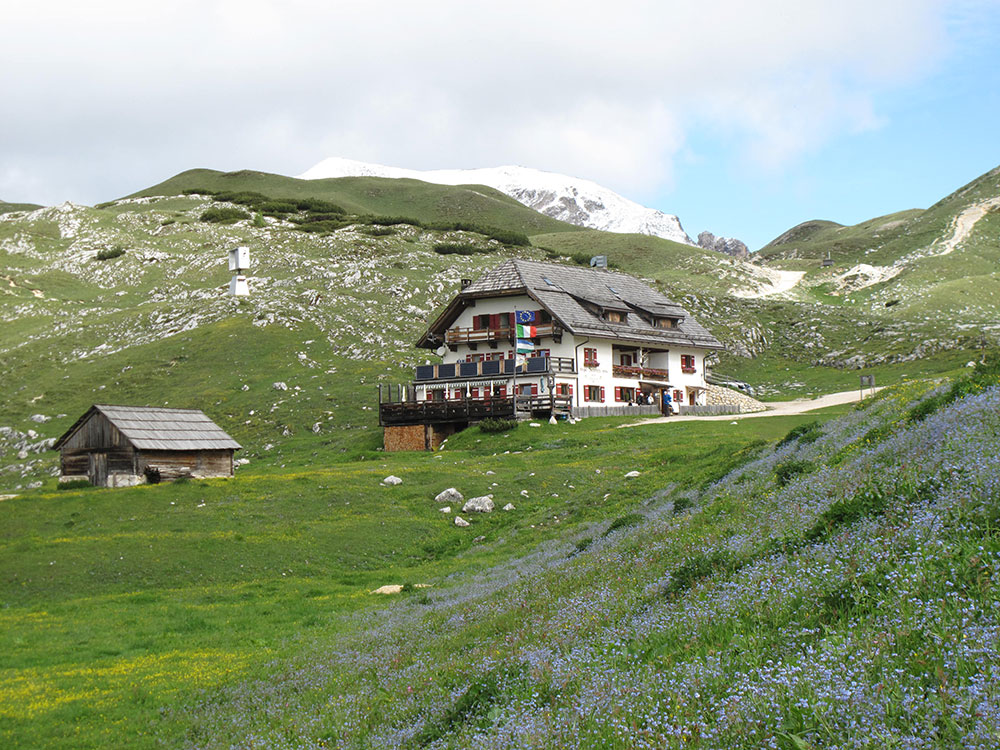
{"x": 629, "y": 519}
{"x": 699, "y": 567}
{"x": 493, "y": 425}
{"x": 258, "y": 220}
{"x": 109, "y": 253}
{"x": 276, "y": 207}
{"x": 224, "y": 215}
{"x": 786, "y": 471}
{"x": 681, "y": 504}
{"x": 247, "y": 198}
{"x": 459, "y": 248}
{"x": 806, "y": 433}
{"x": 316, "y": 205}
{"x": 379, "y": 231}
{"x": 197, "y": 191}
{"x": 391, "y": 221}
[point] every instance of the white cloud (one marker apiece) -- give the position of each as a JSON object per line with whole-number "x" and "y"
{"x": 602, "y": 91}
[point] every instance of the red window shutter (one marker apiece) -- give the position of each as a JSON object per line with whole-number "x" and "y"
{"x": 570, "y": 387}
{"x": 510, "y": 320}
{"x": 430, "y": 396}
{"x": 494, "y": 321}
{"x": 602, "y": 394}
{"x": 618, "y": 393}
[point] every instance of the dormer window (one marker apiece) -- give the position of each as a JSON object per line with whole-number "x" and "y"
{"x": 666, "y": 322}
{"x": 615, "y": 316}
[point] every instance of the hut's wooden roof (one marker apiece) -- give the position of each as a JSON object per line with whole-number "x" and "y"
{"x": 157, "y": 428}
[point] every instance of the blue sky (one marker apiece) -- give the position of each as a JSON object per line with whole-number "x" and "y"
{"x": 934, "y": 134}
{"x": 742, "y": 118}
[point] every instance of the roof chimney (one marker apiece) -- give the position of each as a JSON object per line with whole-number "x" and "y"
{"x": 599, "y": 261}
{"x": 466, "y": 282}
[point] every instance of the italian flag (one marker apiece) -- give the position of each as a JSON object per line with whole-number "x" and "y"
{"x": 526, "y": 332}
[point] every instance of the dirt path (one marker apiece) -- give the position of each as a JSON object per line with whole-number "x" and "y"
{"x": 780, "y": 282}
{"x": 965, "y": 222}
{"x": 774, "y": 409}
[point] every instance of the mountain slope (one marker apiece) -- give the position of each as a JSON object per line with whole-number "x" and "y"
{"x": 936, "y": 264}
{"x": 374, "y": 195}
{"x": 569, "y": 199}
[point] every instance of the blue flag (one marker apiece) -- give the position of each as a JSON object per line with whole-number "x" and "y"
{"x": 524, "y": 316}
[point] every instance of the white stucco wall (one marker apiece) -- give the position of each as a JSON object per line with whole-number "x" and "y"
{"x": 573, "y": 347}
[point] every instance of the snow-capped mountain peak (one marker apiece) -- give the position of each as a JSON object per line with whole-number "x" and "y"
{"x": 569, "y": 199}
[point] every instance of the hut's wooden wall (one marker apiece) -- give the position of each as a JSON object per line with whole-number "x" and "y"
{"x": 175, "y": 464}
{"x": 97, "y": 436}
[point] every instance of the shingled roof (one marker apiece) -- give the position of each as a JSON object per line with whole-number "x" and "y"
{"x": 571, "y": 294}
{"x": 156, "y": 428}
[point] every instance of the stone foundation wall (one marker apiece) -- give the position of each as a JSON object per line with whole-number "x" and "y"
{"x": 743, "y": 404}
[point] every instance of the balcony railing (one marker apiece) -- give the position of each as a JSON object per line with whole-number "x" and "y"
{"x": 632, "y": 371}
{"x": 468, "y": 409}
{"x": 479, "y": 335}
{"x": 493, "y": 368}
{"x": 437, "y": 412}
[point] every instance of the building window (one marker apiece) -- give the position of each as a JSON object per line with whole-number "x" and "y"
{"x": 666, "y": 323}
{"x": 687, "y": 363}
{"x": 541, "y": 353}
{"x": 615, "y": 316}
{"x": 589, "y": 357}
{"x": 678, "y": 396}
{"x": 527, "y": 389}
{"x": 593, "y": 393}
{"x": 625, "y": 394}
{"x": 564, "y": 389}
{"x": 627, "y": 360}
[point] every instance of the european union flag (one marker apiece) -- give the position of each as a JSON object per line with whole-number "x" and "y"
{"x": 525, "y": 316}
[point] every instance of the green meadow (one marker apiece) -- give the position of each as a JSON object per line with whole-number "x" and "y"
{"x": 119, "y": 604}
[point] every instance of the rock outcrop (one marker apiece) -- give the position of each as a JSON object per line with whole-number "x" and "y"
{"x": 728, "y": 245}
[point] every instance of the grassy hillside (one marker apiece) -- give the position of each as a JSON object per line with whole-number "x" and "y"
{"x": 6, "y": 208}
{"x": 332, "y": 315}
{"x": 376, "y": 195}
{"x": 678, "y": 265}
{"x": 735, "y": 594}
{"x": 935, "y": 264}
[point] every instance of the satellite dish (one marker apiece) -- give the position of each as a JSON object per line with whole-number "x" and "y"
{"x": 441, "y": 350}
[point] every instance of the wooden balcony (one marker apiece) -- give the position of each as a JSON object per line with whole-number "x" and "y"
{"x": 493, "y": 368}
{"x": 631, "y": 371}
{"x": 467, "y": 410}
{"x": 485, "y": 335}
{"x": 444, "y": 412}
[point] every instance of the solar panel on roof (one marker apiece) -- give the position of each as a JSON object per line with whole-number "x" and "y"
{"x": 548, "y": 281}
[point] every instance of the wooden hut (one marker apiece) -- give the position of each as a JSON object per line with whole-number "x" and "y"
{"x": 121, "y": 446}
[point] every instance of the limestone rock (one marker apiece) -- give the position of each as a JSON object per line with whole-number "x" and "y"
{"x": 280, "y": 386}
{"x": 461, "y": 522}
{"x": 445, "y": 509}
{"x": 392, "y": 480}
{"x": 392, "y": 588}
{"x": 727, "y": 245}
{"x": 632, "y": 475}
{"x": 40, "y": 418}
{"x": 509, "y": 506}
{"x": 483, "y": 504}
{"x": 450, "y": 495}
